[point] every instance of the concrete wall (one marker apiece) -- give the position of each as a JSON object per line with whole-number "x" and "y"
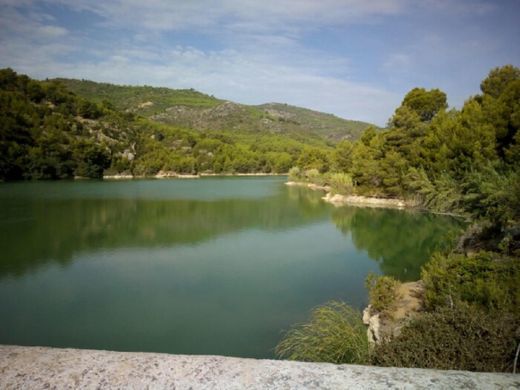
{"x": 38, "y": 368}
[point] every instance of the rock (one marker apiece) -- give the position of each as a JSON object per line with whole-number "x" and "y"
{"x": 388, "y": 324}
{"x": 128, "y": 155}
{"x": 374, "y": 327}
{"x": 367, "y": 315}
{"x": 118, "y": 176}
{"x": 39, "y": 367}
{"x": 365, "y": 201}
{"x": 164, "y": 174}
{"x": 145, "y": 104}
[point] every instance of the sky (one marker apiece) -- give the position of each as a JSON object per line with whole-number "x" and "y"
{"x": 353, "y": 58}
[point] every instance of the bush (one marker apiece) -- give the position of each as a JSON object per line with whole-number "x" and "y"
{"x": 294, "y": 174}
{"x": 312, "y": 175}
{"x": 334, "y": 334}
{"x": 382, "y": 292}
{"x": 486, "y": 280}
{"x": 341, "y": 183}
{"x": 458, "y": 338}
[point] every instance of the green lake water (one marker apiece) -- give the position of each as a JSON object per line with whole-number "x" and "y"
{"x": 207, "y": 266}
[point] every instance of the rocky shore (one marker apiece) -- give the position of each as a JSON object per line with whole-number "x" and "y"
{"x": 353, "y": 200}
{"x": 175, "y": 175}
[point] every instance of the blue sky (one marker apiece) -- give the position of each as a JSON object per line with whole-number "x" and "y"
{"x": 352, "y": 58}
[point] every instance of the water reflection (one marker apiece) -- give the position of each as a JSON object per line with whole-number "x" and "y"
{"x": 34, "y": 231}
{"x": 399, "y": 240}
{"x": 147, "y": 267}
{"x": 37, "y": 229}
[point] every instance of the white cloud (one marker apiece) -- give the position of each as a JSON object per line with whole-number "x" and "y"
{"x": 262, "y": 54}
{"x": 51, "y": 31}
{"x": 247, "y": 16}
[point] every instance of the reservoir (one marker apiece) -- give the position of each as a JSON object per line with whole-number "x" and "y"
{"x": 219, "y": 265}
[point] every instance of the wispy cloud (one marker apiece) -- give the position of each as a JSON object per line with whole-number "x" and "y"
{"x": 354, "y": 58}
{"x": 236, "y": 15}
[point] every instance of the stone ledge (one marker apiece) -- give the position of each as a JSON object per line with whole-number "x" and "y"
{"x": 41, "y": 367}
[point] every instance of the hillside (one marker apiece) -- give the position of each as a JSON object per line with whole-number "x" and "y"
{"x": 49, "y": 132}
{"x": 195, "y": 110}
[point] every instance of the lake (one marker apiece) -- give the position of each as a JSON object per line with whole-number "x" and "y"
{"x": 206, "y": 266}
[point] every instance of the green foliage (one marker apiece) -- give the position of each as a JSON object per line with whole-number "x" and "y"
{"x": 463, "y": 162}
{"x": 47, "y": 132}
{"x": 295, "y": 174}
{"x": 493, "y": 195}
{"x": 485, "y": 279}
{"x": 366, "y": 156}
{"x": 42, "y": 131}
{"x": 460, "y": 161}
{"x": 453, "y": 338}
{"x": 92, "y": 159}
{"x": 425, "y": 103}
{"x": 335, "y": 334}
{"x": 499, "y": 79}
{"x": 136, "y": 98}
{"x": 312, "y": 175}
{"x": 314, "y": 158}
{"x": 342, "y": 157}
{"x": 188, "y": 108}
{"x": 340, "y": 183}
{"x": 382, "y": 292}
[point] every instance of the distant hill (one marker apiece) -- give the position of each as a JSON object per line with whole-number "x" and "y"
{"x": 56, "y": 129}
{"x": 191, "y": 109}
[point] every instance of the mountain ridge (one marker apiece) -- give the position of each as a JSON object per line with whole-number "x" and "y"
{"x": 195, "y": 110}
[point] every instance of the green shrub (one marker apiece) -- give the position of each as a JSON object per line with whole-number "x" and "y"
{"x": 486, "y": 279}
{"x": 312, "y": 175}
{"x": 341, "y": 183}
{"x": 458, "y": 338}
{"x": 335, "y": 334}
{"x": 294, "y": 174}
{"x": 382, "y": 292}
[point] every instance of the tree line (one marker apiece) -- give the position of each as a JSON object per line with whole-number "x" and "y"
{"x": 48, "y": 132}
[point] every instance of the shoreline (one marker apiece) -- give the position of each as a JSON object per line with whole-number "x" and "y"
{"x": 173, "y": 175}
{"x": 353, "y": 200}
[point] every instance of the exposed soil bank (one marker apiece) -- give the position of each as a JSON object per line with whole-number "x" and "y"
{"x": 40, "y": 367}
{"x": 384, "y": 326}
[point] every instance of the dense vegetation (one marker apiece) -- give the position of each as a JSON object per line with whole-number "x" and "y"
{"x": 43, "y": 131}
{"x": 48, "y": 132}
{"x": 464, "y": 162}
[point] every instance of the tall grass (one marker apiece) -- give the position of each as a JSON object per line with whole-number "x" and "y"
{"x": 341, "y": 183}
{"x": 335, "y": 334}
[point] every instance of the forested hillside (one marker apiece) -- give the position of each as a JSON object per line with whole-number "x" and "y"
{"x": 49, "y": 132}
{"x": 194, "y": 110}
